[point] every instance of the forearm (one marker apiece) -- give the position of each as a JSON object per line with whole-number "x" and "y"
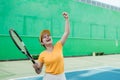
{"x": 67, "y": 26}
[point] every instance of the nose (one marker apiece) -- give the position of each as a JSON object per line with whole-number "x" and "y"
{"x": 47, "y": 37}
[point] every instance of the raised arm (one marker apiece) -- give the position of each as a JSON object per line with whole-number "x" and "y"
{"x": 67, "y": 28}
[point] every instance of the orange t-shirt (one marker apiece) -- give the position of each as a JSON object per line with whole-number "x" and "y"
{"x": 53, "y": 61}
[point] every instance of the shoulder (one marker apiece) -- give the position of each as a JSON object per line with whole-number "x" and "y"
{"x": 41, "y": 57}
{"x": 58, "y": 44}
{"x": 42, "y": 53}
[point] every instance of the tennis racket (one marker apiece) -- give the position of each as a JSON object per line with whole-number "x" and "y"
{"x": 20, "y": 44}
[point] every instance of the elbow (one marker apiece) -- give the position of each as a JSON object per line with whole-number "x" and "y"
{"x": 68, "y": 33}
{"x": 38, "y": 71}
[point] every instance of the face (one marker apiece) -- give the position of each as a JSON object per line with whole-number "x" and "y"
{"x": 46, "y": 39}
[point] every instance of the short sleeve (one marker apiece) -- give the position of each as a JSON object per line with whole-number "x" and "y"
{"x": 59, "y": 44}
{"x": 41, "y": 58}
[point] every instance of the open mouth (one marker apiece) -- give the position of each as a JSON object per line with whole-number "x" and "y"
{"x": 48, "y": 40}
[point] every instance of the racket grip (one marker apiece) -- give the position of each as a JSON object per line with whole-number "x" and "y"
{"x": 33, "y": 61}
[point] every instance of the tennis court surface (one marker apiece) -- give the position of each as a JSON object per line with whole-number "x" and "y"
{"x": 102, "y": 73}
{"x": 106, "y": 67}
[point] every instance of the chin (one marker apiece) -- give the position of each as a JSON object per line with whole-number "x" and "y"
{"x": 50, "y": 42}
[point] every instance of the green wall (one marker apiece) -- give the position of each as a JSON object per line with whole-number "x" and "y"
{"x": 93, "y": 29}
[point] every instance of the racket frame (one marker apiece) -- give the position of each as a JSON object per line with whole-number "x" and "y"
{"x": 24, "y": 52}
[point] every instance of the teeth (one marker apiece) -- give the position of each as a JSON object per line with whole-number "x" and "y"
{"x": 48, "y": 40}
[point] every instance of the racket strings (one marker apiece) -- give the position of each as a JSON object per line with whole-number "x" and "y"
{"x": 18, "y": 42}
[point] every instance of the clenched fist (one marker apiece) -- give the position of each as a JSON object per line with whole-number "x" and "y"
{"x": 65, "y": 15}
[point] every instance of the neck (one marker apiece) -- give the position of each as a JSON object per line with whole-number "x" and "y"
{"x": 49, "y": 48}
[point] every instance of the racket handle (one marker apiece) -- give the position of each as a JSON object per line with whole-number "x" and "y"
{"x": 33, "y": 61}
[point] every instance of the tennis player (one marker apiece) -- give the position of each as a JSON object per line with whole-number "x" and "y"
{"x": 52, "y": 56}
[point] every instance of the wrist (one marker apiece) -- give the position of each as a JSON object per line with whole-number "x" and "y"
{"x": 66, "y": 18}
